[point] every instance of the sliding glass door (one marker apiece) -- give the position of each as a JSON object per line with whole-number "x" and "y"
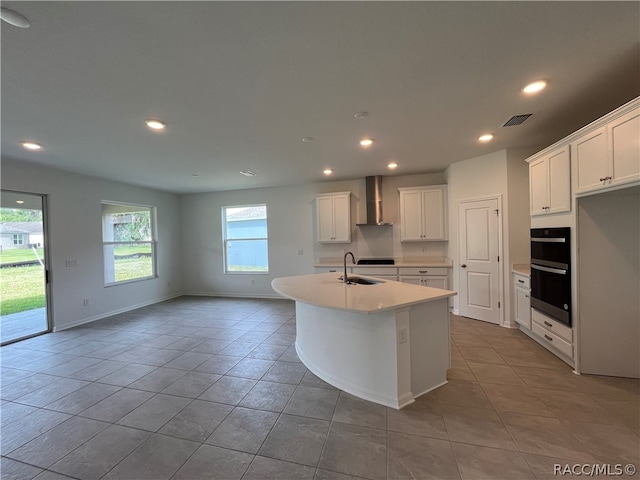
{"x": 23, "y": 266}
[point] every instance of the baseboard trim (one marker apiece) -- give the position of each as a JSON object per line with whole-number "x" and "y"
{"x": 234, "y": 295}
{"x": 84, "y": 321}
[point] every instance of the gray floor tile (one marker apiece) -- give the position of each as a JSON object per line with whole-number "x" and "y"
{"x": 355, "y": 450}
{"x": 296, "y": 439}
{"x": 229, "y": 390}
{"x": 423, "y": 417}
{"x": 99, "y": 370}
{"x": 83, "y": 398}
{"x": 253, "y": 368}
{"x": 25, "y": 386}
{"x": 356, "y": 411}
{"x": 212, "y": 346}
{"x": 243, "y": 430}
{"x": 157, "y": 380}
{"x": 54, "y": 444}
{"x": 219, "y": 364}
{"x": 311, "y": 380}
{"x": 216, "y": 463}
{"x": 412, "y": 457}
{"x": 262, "y": 468}
{"x": 113, "y": 408}
{"x": 188, "y": 360}
{"x": 96, "y": 457}
{"x": 29, "y": 427}
{"x": 155, "y": 412}
{"x": 192, "y": 384}
{"x": 238, "y": 348}
{"x": 313, "y": 402}
{"x": 197, "y": 421}
{"x": 52, "y": 392}
{"x": 71, "y": 367}
{"x": 13, "y": 470}
{"x": 10, "y": 412}
{"x": 267, "y": 352}
{"x": 480, "y": 463}
{"x": 476, "y": 426}
{"x": 285, "y": 372}
{"x": 127, "y": 374}
{"x": 268, "y": 396}
{"x": 157, "y": 458}
{"x": 11, "y": 375}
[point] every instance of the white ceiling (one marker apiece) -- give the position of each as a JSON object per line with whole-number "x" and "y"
{"x": 240, "y": 83}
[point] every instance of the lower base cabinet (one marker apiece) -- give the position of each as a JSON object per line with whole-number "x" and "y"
{"x": 427, "y": 277}
{"x": 522, "y": 301}
{"x": 552, "y": 335}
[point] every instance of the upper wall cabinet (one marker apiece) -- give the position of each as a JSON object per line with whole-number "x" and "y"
{"x": 550, "y": 182}
{"x": 608, "y": 156}
{"x": 333, "y": 215}
{"x": 423, "y": 213}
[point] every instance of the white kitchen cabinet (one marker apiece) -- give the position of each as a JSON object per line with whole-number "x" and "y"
{"x": 552, "y": 334}
{"x": 333, "y": 216}
{"x": 608, "y": 156}
{"x": 427, "y": 277}
{"x": 550, "y": 183}
{"x": 423, "y": 213}
{"x": 521, "y": 292}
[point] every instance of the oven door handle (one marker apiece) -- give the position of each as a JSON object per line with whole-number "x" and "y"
{"x": 548, "y": 239}
{"x": 549, "y": 269}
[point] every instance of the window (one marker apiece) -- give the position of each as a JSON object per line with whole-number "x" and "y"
{"x": 18, "y": 239}
{"x": 244, "y": 233}
{"x": 128, "y": 239}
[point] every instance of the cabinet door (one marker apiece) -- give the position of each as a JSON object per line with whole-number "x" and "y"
{"x": 412, "y": 280}
{"x": 324, "y": 213}
{"x": 539, "y": 186}
{"x": 624, "y": 135}
{"x": 433, "y": 205}
{"x": 342, "y": 219}
{"x": 559, "y": 181}
{"x": 435, "y": 282}
{"x": 523, "y": 307}
{"x": 591, "y": 162}
{"x": 411, "y": 216}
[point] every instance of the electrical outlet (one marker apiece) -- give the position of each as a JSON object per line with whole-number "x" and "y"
{"x": 85, "y": 302}
{"x": 402, "y": 334}
{"x": 300, "y": 252}
{"x": 71, "y": 263}
{"x": 253, "y": 282}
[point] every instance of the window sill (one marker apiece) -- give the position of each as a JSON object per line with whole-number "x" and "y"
{"x": 133, "y": 280}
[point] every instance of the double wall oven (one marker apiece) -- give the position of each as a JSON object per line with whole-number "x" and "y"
{"x": 551, "y": 272}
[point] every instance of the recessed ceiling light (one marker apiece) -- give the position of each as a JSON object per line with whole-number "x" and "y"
{"x": 535, "y": 87}
{"x": 195, "y": 175}
{"x": 392, "y": 165}
{"x": 307, "y": 139}
{"x": 14, "y": 18}
{"x": 32, "y": 146}
{"x": 485, "y": 138}
{"x": 360, "y": 115}
{"x": 327, "y": 171}
{"x": 20, "y": 201}
{"x": 248, "y": 173}
{"x": 366, "y": 142}
{"x": 155, "y": 124}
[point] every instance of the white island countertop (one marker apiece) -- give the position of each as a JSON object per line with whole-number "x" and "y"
{"x": 325, "y": 290}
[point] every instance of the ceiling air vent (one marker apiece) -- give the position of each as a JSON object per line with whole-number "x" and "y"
{"x": 517, "y": 120}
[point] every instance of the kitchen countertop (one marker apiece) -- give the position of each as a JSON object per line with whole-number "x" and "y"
{"x": 325, "y": 290}
{"x": 522, "y": 269}
{"x": 432, "y": 262}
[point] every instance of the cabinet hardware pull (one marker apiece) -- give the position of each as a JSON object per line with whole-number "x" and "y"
{"x": 548, "y": 338}
{"x": 423, "y": 271}
{"x": 464, "y": 265}
{"x": 520, "y": 281}
{"x": 526, "y": 296}
{"x": 548, "y": 324}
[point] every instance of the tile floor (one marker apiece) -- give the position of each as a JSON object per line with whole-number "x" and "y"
{"x": 210, "y": 388}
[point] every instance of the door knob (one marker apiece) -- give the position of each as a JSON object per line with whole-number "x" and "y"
{"x": 464, "y": 265}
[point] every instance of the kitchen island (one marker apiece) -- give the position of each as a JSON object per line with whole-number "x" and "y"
{"x": 387, "y": 342}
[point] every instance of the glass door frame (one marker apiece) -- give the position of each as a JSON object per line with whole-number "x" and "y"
{"x": 47, "y": 265}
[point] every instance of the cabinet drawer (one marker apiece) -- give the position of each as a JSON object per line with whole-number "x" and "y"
{"x": 552, "y": 339}
{"x": 423, "y": 271}
{"x": 330, "y": 269}
{"x": 374, "y": 271}
{"x": 521, "y": 281}
{"x": 549, "y": 324}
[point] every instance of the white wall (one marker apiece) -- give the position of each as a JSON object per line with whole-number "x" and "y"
{"x": 75, "y": 233}
{"x": 291, "y": 224}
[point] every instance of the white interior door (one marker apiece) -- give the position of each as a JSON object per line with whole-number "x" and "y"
{"x": 479, "y": 260}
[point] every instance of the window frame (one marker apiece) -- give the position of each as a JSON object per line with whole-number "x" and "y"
{"x": 18, "y": 239}
{"x": 153, "y": 243}
{"x": 225, "y": 240}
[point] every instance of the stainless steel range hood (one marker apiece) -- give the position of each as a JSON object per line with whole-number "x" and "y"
{"x": 374, "y": 203}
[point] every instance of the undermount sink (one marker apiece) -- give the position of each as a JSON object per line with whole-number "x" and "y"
{"x": 361, "y": 281}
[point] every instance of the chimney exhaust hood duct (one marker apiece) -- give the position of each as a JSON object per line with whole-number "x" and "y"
{"x": 374, "y": 203}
